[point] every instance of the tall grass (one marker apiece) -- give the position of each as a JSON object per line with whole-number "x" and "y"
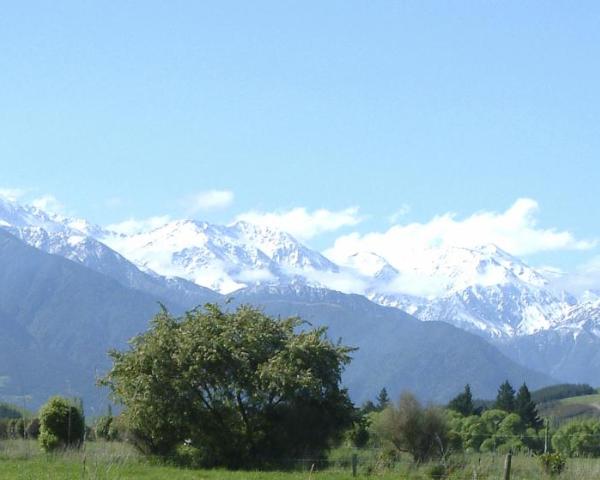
{"x": 23, "y": 460}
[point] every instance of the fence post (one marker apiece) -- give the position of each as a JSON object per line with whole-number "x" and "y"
{"x": 354, "y": 464}
{"x": 507, "y": 463}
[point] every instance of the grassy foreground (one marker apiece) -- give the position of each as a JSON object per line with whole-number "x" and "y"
{"x": 23, "y": 460}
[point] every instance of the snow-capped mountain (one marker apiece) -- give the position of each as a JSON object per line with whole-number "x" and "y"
{"x": 484, "y": 290}
{"x": 72, "y": 239}
{"x": 223, "y": 258}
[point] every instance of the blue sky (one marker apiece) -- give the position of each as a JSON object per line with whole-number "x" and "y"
{"x": 132, "y": 109}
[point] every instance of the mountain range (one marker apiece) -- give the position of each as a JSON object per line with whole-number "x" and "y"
{"x": 492, "y": 304}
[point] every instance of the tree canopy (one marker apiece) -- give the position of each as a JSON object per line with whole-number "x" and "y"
{"x": 505, "y": 400}
{"x": 463, "y": 402}
{"x": 383, "y": 399}
{"x": 61, "y": 424}
{"x": 526, "y": 409}
{"x": 239, "y": 387}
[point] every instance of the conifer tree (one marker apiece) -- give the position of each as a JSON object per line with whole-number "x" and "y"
{"x": 526, "y": 408}
{"x": 505, "y": 400}
{"x": 383, "y": 399}
{"x": 463, "y": 402}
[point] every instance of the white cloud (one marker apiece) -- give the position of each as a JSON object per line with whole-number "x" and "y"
{"x": 343, "y": 281}
{"x": 49, "y": 204}
{"x": 514, "y": 230}
{"x": 133, "y": 226}
{"x": 208, "y": 200}
{"x": 12, "y": 194}
{"x": 303, "y": 224}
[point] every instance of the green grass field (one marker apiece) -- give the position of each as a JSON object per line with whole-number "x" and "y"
{"x": 23, "y": 460}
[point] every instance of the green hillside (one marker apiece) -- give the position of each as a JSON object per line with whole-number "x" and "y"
{"x": 571, "y": 408}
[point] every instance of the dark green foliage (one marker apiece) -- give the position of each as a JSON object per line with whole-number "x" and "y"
{"x": 558, "y": 392}
{"x": 552, "y": 463}
{"x": 16, "y": 428}
{"x": 359, "y": 433}
{"x": 463, "y": 402}
{"x": 422, "y": 432}
{"x": 242, "y": 388}
{"x": 10, "y": 411}
{"x": 383, "y": 399}
{"x": 526, "y": 408}
{"x": 32, "y": 430}
{"x": 61, "y": 424}
{"x": 505, "y": 400}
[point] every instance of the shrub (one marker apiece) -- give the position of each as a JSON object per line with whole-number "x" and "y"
{"x": 247, "y": 389}
{"x": 61, "y": 424}
{"x": 552, "y": 463}
{"x": 409, "y": 427}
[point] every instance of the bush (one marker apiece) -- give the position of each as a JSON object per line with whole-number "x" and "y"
{"x": 552, "y": 463}
{"x": 409, "y": 427}
{"x": 247, "y": 389}
{"x": 61, "y": 425}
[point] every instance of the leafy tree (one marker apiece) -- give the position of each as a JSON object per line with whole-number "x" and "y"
{"x": 241, "y": 388}
{"x": 463, "y": 402}
{"x": 61, "y": 424}
{"x": 578, "y": 439}
{"x": 526, "y": 408}
{"x": 383, "y": 399}
{"x": 505, "y": 400}
{"x": 409, "y": 427}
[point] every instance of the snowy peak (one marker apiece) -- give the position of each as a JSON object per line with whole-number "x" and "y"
{"x": 485, "y": 266}
{"x": 18, "y": 216}
{"x": 370, "y": 264}
{"x": 482, "y": 289}
{"x": 282, "y": 248}
{"x": 224, "y": 258}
